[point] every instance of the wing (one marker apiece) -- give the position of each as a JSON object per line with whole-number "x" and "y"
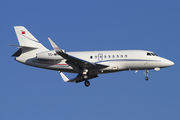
{"x": 71, "y": 60}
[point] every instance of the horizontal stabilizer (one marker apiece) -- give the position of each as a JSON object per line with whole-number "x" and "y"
{"x": 17, "y": 53}
{"x": 20, "y": 46}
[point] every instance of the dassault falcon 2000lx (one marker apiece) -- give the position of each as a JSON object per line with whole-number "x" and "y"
{"x": 87, "y": 64}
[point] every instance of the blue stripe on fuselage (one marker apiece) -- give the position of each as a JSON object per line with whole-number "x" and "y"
{"x": 126, "y": 60}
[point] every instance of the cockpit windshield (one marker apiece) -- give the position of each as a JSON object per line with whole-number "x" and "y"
{"x": 151, "y": 54}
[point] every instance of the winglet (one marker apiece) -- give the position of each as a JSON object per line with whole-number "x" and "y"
{"x": 64, "y": 77}
{"x": 56, "y": 48}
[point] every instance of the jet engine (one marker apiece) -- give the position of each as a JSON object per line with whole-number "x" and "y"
{"x": 49, "y": 55}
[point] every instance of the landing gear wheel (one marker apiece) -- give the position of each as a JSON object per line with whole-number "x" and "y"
{"x": 146, "y": 72}
{"x": 146, "y": 78}
{"x": 86, "y": 83}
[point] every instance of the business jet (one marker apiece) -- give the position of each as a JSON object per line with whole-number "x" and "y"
{"x": 87, "y": 64}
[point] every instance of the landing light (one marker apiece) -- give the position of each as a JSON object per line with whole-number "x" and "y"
{"x": 114, "y": 68}
{"x": 157, "y": 69}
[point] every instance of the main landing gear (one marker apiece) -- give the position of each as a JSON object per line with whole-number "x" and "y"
{"x": 87, "y": 83}
{"x": 146, "y": 72}
{"x": 85, "y": 77}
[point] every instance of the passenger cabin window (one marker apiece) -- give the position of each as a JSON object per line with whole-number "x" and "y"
{"x": 91, "y": 57}
{"x": 125, "y": 56}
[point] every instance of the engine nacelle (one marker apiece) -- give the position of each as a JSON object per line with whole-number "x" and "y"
{"x": 49, "y": 55}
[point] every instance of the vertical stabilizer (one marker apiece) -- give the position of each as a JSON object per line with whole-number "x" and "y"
{"x": 26, "y": 39}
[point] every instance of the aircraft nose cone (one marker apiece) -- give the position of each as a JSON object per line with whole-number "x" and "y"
{"x": 169, "y": 63}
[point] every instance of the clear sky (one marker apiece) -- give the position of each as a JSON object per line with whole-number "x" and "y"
{"x": 28, "y": 93}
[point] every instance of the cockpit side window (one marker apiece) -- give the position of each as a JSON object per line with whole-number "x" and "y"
{"x": 155, "y": 54}
{"x": 152, "y": 54}
{"x": 149, "y": 54}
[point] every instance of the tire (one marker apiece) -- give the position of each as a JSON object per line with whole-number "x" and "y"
{"x": 86, "y": 83}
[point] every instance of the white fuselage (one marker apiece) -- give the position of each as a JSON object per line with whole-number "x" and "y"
{"x": 117, "y": 60}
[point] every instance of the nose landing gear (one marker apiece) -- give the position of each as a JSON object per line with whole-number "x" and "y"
{"x": 85, "y": 77}
{"x": 146, "y": 73}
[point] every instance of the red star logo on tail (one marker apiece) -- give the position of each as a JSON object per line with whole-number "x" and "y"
{"x": 23, "y": 32}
